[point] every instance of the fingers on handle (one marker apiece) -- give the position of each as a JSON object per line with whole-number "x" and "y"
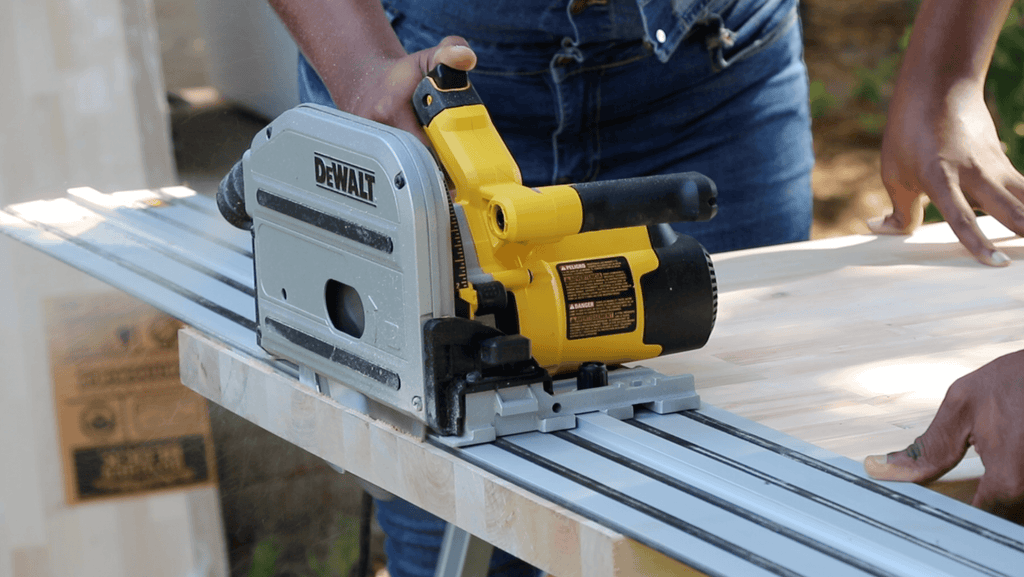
{"x": 935, "y": 452}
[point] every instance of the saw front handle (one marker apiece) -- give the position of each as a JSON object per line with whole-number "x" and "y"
{"x": 487, "y": 177}
{"x": 601, "y": 205}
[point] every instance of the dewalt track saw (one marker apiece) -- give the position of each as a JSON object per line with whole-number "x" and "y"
{"x": 502, "y": 310}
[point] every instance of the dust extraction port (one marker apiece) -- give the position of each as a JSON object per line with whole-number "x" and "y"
{"x": 344, "y": 308}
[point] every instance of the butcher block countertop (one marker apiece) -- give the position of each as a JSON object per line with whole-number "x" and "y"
{"x": 850, "y": 343}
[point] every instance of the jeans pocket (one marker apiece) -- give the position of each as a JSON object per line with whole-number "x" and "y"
{"x": 728, "y": 46}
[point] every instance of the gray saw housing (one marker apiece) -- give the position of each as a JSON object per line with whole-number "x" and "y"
{"x": 352, "y": 249}
{"x": 353, "y": 252}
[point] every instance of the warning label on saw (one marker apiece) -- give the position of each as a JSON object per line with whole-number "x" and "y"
{"x": 600, "y": 298}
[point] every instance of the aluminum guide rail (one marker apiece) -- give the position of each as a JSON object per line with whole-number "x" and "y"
{"x": 719, "y": 493}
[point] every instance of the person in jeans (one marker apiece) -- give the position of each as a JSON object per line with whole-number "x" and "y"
{"x": 584, "y": 90}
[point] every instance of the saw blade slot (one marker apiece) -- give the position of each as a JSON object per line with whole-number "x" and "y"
{"x": 344, "y": 308}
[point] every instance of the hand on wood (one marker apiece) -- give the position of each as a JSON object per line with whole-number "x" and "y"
{"x": 955, "y": 158}
{"x": 940, "y": 139}
{"x": 984, "y": 409}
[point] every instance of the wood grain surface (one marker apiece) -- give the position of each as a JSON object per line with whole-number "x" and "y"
{"x": 510, "y": 517}
{"x": 847, "y": 343}
{"x": 850, "y": 343}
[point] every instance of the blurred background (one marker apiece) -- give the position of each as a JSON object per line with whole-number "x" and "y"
{"x": 214, "y": 72}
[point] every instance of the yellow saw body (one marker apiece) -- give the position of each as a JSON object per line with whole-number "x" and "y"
{"x": 575, "y": 292}
{"x": 499, "y": 310}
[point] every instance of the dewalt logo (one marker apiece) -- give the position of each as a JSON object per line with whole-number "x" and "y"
{"x": 344, "y": 178}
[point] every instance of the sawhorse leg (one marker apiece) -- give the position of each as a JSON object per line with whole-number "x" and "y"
{"x": 463, "y": 555}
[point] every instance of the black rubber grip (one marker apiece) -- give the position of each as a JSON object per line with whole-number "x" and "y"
{"x": 648, "y": 200}
{"x": 450, "y": 88}
{"x": 231, "y": 198}
{"x": 448, "y": 78}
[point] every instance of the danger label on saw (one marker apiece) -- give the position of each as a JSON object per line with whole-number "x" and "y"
{"x": 600, "y": 298}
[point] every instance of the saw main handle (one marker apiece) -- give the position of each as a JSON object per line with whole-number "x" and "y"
{"x": 487, "y": 177}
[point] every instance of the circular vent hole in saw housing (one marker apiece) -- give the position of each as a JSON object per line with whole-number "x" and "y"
{"x": 344, "y": 308}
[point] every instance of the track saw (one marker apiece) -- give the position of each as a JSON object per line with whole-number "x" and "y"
{"x": 497, "y": 310}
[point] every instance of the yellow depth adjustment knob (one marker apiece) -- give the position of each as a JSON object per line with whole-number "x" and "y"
{"x": 520, "y": 214}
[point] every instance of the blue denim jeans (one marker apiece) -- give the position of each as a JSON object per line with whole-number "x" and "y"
{"x": 731, "y": 102}
{"x": 629, "y": 88}
{"x": 413, "y": 543}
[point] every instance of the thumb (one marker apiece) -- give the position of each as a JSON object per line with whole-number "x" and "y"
{"x": 907, "y": 200}
{"x": 907, "y": 211}
{"x": 935, "y": 452}
{"x": 452, "y": 51}
{"x": 911, "y": 464}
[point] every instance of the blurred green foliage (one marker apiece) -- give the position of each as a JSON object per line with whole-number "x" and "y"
{"x": 1004, "y": 90}
{"x": 872, "y": 84}
{"x": 1005, "y": 85}
{"x": 871, "y": 122}
{"x": 1005, "y": 93}
{"x": 342, "y": 555}
{"x": 822, "y": 101}
{"x": 264, "y": 558}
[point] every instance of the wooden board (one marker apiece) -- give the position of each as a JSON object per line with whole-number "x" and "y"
{"x": 850, "y": 343}
{"x": 846, "y": 343}
{"x": 554, "y": 538}
{"x": 554, "y": 499}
